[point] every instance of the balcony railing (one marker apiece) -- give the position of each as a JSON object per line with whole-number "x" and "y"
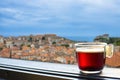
{"x": 14, "y": 69}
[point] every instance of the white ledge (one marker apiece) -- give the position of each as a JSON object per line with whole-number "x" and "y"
{"x": 6, "y": 63}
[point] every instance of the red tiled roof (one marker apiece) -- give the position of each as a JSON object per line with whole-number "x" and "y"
{"x": 114, "y": 61}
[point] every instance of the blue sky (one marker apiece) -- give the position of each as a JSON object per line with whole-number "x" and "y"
{"x": 85, "y": 18}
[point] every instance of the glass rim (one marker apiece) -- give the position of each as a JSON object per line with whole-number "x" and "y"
{"x": 90, "y": 44}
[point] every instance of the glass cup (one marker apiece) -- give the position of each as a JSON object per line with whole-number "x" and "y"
{"x": 91, "y": 56}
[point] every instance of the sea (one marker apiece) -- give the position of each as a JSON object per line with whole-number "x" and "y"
{"x": 79, "y": 38}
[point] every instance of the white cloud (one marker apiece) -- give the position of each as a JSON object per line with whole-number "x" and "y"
{"x": 11, "y": 12}
{"x": 34, "y": 12}
{"x": 7, "y": 10}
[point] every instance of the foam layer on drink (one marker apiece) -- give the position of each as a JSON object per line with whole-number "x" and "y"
{"x": 90, "y": 50}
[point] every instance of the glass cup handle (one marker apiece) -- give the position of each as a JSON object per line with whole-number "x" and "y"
{"x": 109, "y": 49}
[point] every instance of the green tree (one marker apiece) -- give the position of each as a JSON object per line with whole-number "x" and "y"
{"x": 53, "y": 43}
{"x": 30, "y": 39}
{"x": 117, "y": 43}
{"x": 111, "y": 40}
{"x": 66, "y": 45}
{"x": 104, "y": 40}
{"x": 43, "y": 38}
{"x": 1, "y": 49}
{"x": 21, "y": 46}
{"x": 28, "y": 45}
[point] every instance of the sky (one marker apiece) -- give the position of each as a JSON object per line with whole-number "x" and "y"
{"x": 84, "y": 18}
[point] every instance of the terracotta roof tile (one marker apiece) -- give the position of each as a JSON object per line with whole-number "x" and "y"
{"x": 114, "y": 61}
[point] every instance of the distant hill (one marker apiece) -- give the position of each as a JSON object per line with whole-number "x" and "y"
{"x": 106, "y": 38}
